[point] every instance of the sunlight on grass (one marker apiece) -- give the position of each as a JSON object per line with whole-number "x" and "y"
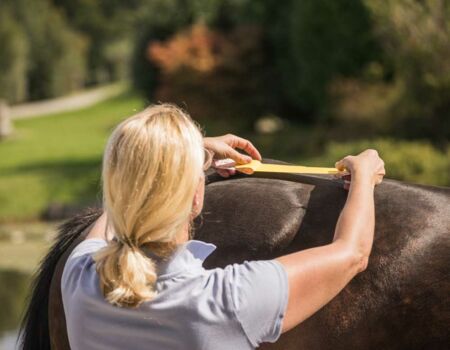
{"x": 57, "y": 158}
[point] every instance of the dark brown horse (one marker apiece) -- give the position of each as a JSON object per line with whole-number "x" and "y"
{"x": 400, "y": 302}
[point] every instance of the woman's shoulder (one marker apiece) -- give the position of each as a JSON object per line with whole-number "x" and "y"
{"x": 80, "y": 259}
{"x": 87, "y": 246}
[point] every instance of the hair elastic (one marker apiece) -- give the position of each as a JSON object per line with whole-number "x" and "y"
{"x": 125, "y": 241}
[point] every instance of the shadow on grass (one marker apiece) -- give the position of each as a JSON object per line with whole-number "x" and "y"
{"x": 67, "y": 184}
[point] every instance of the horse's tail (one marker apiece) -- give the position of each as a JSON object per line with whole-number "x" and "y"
{"x": 34, "y": 329}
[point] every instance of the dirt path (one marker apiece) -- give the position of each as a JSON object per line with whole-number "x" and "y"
{"x": 72, "y": 102}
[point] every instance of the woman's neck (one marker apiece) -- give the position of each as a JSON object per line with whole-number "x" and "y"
{"x": 98, "y": 230}
{"x": 183, "y": 235}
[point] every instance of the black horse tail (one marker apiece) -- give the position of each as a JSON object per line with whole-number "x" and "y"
{"x": 34, "y": 330}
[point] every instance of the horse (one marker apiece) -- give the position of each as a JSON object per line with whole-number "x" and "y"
{"x": 401, "y": 301}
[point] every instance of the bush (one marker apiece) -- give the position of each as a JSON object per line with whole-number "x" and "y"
{"x": 219, "y": 75}
{"x": 417, "y": 162}
{"x": 161, "y": 19}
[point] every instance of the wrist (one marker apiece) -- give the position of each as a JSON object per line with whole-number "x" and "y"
{"x": 206, "y": 141}
{"x": 361, "y": 178}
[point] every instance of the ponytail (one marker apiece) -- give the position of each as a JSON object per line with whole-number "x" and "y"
{"x": 127, "y": 275}
{"x": 152, "y": 165}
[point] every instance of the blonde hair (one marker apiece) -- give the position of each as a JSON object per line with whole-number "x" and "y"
{"x": 152, "y": 165}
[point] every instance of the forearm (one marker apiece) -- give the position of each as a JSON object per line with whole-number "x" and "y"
{"x": 356, "y": 223}
{"x": 316, "y": 275}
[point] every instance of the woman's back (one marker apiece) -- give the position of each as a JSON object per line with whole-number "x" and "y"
{"x": 234, "y": 307}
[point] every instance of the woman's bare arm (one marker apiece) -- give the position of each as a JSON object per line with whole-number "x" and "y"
{"x": 318, "y": 274}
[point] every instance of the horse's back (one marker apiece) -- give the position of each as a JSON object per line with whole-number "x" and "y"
{"x": 400, "y": 301}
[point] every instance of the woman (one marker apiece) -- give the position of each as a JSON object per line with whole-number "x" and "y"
{"x": 137, "y": 281}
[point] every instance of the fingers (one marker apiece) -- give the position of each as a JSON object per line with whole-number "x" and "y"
{"x": 223, "y": 163}
{"x": 238, "y": 157}
{"x": 245, "y": 145}
{"x": 347, "y": 180}
{"x": 224, "y": 167}
{"x": 378, "y": 179}
{"x": 225, "y": 147}
{"x": 342, "y": 164}
{"x": 226, "y": 172}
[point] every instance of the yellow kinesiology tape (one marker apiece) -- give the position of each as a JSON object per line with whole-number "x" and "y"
{"x": 257, "y": 166}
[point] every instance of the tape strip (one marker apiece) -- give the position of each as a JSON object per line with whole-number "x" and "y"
{"x": 257, "y": 166}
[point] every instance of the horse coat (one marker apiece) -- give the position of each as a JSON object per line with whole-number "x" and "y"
{"x": 401, "y": 301}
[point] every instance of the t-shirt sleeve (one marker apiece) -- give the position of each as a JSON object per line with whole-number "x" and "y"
{"x": 88, "y": 246}
{"x": 78, "y": 259}
{"x": 259, "y": 294}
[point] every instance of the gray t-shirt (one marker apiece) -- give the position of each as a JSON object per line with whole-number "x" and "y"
{"x": 236, "y": 307}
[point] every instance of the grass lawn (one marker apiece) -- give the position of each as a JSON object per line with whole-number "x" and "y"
{"x": 57, "y": 158}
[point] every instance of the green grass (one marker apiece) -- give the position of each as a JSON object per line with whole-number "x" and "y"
{"x": 57, "y": 158}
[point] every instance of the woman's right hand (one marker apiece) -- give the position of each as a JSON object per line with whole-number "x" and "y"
{"x": 366, "y": 165}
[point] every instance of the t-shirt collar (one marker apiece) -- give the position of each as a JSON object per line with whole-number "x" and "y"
{"x": 187, "y": 256}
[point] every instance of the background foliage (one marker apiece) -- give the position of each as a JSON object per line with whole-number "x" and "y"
{"x": 308, "y": 81}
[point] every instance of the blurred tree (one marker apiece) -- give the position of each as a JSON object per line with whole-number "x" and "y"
{"x": 117, "y": 54}
{"x": 416, "y": 36}
{"x": 315, "y": 41}
{"x": 113, "y": 26}
{"x": 56, "y": 63}
{"x": 108, "y": 26}
{"x": 157, "y": 20}
{"x": 13, "y": 60}
{"x": 408, "y": 93}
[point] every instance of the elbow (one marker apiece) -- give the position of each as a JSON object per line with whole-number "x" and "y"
{"x": 357, "y": 260}
{"x": 360, "y": 261}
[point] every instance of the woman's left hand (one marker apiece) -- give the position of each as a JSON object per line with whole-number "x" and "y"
{"x": 225, "y": 146}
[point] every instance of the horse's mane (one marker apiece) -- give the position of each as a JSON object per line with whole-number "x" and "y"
{"x": 34, "y": 329}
